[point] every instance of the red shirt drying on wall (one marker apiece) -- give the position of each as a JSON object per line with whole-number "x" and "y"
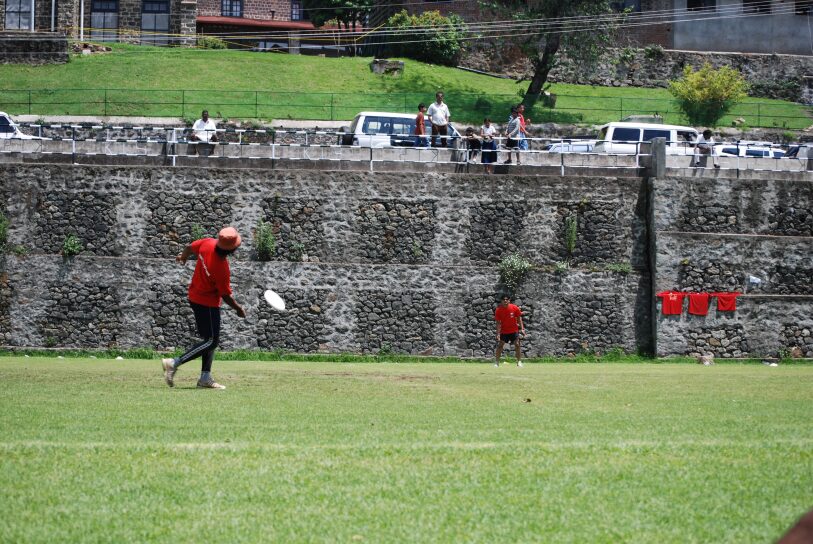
{"x": 672, "y": 302}
{"x": 726, "y": 302}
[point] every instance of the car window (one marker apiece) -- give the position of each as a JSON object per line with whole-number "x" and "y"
{"x": 354, "y": 124}
{"x": 624, "y": 134}
{"x": 403, "y": 126}
{"x": 602, "y": 134}
{"x": 778, "y": 154}
{"x": 730, "y": 150}
{"x": 5, "y": 125}
{"x": 755, "y": 153}
{"x": 650, "y": 133}
{"x": 376, "y": 125}
{"x": 686, "y": 136}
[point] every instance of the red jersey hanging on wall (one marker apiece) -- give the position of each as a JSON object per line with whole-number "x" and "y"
{"x": 671, "y": 302}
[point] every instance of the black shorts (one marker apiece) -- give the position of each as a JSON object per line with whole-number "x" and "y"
{"x": 511, "y": 144}
{"x": 509, "y": 338}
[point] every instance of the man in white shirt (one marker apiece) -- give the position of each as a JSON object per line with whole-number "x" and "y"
{"x": 438, "y": 113}
{"x": 204, "y": 129}
{"x": 704, "y": 145}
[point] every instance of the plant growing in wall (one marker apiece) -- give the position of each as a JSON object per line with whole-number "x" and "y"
{"x": 197, "y": 232}
{"x": 513, "y": 270}
{"x": 708, "y": 94}
{"x": 72, "y": 246}
{"x": 3, "y": 232}
{"x": 571, "y": 233}
{"x": 297, "y": 251}
{"x": 265, "y": 243}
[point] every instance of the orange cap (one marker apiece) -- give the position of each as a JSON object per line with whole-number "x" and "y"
{"x": 228, "y": 239}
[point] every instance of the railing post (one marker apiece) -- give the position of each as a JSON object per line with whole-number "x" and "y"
{"x": 256, "y": 102}
{"x": 105, "y": 102}
{"x": 621, "y": 106}
{"x": 332, "y": 118}
{"x": 29, "y": 101}
{"x": 183, "y": 104}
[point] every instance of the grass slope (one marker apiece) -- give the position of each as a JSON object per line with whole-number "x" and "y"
{"x": 99, "y": 450}
{"x": 148, "y": 81}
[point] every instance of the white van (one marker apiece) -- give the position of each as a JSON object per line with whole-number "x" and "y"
{"x": 9, "y": 129}
{"x": 624, "y": 138}
{"x": 750, "y": 149}
{"x": 386, "y": 129}
{"x": 570, "y": 146}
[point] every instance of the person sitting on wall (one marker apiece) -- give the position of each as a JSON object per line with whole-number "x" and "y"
{"x": 204, "y": 129}
{"x": 704, "y": 146}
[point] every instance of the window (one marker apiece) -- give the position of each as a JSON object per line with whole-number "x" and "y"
{"x": 804, "y": 7}
{"x": 18, "y": 14}
{"x": 701, "y": 5}
{"x": 622, "y": 134}
{"x": 296, "y": 10}
{"x": 231, "y": 8}
{"x": 155, "y": 22}
{"x": 5, "y": 125}
{"x": 649, "y": 134}
{"x": 104, "y": 20}
{"x": 750, "y": 6}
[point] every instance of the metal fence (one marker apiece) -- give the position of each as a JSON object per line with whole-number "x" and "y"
{"x": 466, "y": 108}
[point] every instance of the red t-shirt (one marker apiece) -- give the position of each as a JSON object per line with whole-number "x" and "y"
{"x": 507, "y": 317}
{"x": 726, "y": 302}
{"x": 211, "y": 279}
{"x": 672, "y": 302}
{"x": 699, "y": 303}
{"x": 420, "y": 125}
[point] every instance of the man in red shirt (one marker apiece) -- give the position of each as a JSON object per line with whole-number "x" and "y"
{"x": 211, "y": 283}
{"x": 509, "y": 323}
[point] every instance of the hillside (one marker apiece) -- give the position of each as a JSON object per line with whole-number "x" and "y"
{"x": 146, "y": 81}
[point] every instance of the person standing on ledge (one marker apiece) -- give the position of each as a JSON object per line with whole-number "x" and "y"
{"x": 211, "y": 283}
{"x": 439, "y": 116}
{"x": 509, "y": 325}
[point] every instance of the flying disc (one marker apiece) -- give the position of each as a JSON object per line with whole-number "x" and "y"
{"x": 274, "y": 300}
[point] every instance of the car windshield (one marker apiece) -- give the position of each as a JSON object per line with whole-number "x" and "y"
{"x": 388, "y": 125}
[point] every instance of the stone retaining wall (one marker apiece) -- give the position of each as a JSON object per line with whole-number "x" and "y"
{"x": 712, "y": 235}
{"x": 19, "y": 47}
{"x": 367, "y": 262}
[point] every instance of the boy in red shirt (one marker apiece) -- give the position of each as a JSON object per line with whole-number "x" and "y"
{"x": 509, "y": 323}
{"x": 420, "y": 127}
{"x": 211, "y": 283}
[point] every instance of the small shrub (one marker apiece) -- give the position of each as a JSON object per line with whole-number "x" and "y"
{"x": 621, "y": 268}
{"x": 19, "y": 250}
{"x": 297, "y": 251}
{"x": 706, "y": 95}
{"x": 384, "y": 350}
{"x": 417, "y": 249}
{"x": 432, "y": 37}
{"x": 571, "y": 233}
{"x": 653, "y": 52}
{"x": 210, "y": 42}
{"x": 265, "y": 243}
{"x": 3, "y": 232}
{"x": 197, "y": 232}
{"x": 561, "y": 266}
{"x": 513, "y": 270}
{"x": 72, "y": 246}
{"x": 626, "y": 55}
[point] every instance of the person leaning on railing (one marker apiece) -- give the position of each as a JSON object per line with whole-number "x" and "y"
{"x": 704, "y": 146}
{"x": 204, "y": 129}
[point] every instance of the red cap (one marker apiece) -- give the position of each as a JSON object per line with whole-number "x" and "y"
{"x": 228, "y": 239}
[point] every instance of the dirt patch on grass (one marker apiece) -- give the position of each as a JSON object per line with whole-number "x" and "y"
{"x": 380, "y": 376}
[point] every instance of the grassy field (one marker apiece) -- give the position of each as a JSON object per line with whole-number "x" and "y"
{"x": 101, "y": 450}
{"x": 146, "y": 81}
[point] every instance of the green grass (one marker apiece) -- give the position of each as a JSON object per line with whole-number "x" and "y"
{"x": 101, "y": 450}
{"x": 147, "y": 81}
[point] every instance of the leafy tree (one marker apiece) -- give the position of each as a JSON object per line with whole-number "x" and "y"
{"x": 707, "y": 94}
{"x": 559, "y": 26}
{"x": 345, "y": 12}
{"x": 431, "y": 36}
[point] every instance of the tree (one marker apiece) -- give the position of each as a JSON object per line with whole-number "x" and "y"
{"x": 429, "y": 37}
{"x": 707, "y": 94}
{"x": 555, "y": 26}
{"x": 345, "y": 12}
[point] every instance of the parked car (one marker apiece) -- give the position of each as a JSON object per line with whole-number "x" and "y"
{"x": 624, "y": 138}
{"x": 9, "y": 129}
{"x": 385, "y": 129}
{"x": 800, "y": 151}
{"x": 570, "y": 146}
{"x": 749, "y": 149}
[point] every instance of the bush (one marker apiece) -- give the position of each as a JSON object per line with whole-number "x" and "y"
{"x": 3, "y": 232}
{"x": 210, "y": 42}
{"x": 433, "y": 37}
{"x": 513, "y": 270}
{"x": 72, "y": 246}
{"x": 265, "y": 243}
{"x": 706, "y": 95}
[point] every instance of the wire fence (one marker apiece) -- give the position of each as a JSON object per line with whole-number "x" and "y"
{"x": 466, "y": 108}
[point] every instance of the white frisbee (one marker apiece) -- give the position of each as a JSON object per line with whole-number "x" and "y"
{"x": 274, "y": 300}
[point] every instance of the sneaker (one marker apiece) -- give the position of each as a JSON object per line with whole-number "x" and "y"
{"x": 497, "y": 364}
{"x": 210, "y": 385}
{"x": 519, "y": 364}
{"x": 169, "y": 371}
{"x": 717, "y": 166}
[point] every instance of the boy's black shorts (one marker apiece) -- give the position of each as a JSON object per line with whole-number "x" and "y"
{"x": 509, "y": 338}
